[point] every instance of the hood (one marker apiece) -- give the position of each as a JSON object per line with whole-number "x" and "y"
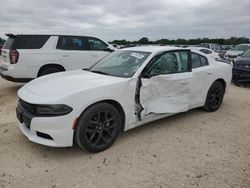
{"x": 242, "y": 60}
{"x": 66, "y": 83}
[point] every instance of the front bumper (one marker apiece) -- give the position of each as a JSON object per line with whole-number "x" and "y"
{"x": 241, "y": 74}
{"x": 49, "y": 131}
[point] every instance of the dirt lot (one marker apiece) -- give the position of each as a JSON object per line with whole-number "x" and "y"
{"x": 193, "y": 149}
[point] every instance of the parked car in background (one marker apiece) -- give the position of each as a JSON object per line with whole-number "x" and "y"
{"x": 128, "y": 88}
{"x": 207, "y": 51}
{"x": 241, "y": 68}
{"x": 230, "y": 55}
{"x": 25, "y": 57}
{"x": 227, "y": 47}
{"x": 215, "y": 47}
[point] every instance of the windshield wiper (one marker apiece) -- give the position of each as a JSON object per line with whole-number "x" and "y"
{"x": 100, "y": 72}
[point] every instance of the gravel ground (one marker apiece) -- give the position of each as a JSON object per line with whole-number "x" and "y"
{"x": 193, "y": 149}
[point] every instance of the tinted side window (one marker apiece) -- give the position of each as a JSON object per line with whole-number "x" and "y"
{"x": 204, "y": 61}
{"x": 198, "y": 60}
{"x": 72, "y": 43}
{"x": 29, "y": 41}
{"x": 170, "y": 62}
{"x": 96, "y": 44}
{"x": 195, "y": 60}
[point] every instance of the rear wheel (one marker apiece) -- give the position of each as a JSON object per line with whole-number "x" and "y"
{"x": 214, "y": 97}
{"x": 98, "y": 127}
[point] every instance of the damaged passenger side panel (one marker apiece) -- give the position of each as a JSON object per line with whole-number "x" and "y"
{"x": 138, "y": 106}
{"x": 165, "y": 93}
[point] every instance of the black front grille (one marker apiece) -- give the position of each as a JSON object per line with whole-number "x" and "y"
{"x": 26, "y": 120}
{"x": 25, "y": 112}
{"x": 29, "y": 107}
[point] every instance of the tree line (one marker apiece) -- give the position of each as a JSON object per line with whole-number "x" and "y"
{"x": 221, "y": 41}
{"x": 145, "y": 40}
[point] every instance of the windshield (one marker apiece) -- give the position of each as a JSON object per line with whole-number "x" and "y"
{"x": 241, "y": 48}
{"x": 247, "y": 53}
{"x": 121, "y": 63}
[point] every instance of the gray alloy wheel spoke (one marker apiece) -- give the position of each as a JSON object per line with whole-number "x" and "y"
{"x": 92, "y": 137}
{"x": 214, "y": 102}
{"x": 102, "y": 137}
{"x": 218, "y": 91}
{"x": 109, "y": 120}
{"x": 108, "y": 131}
{"x": 98, "y": 139}
{"x": 105, "y": 116}
{"x": 111, "y": 126}
{"x": 93, "y": 122}
{"x": 99, "y": 117}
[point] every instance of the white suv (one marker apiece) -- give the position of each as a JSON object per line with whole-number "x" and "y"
{"x": 25, "y": 57}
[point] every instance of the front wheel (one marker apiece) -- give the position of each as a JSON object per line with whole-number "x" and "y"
{"x": 214, "y": 97}
{"x": 98, "y": 127}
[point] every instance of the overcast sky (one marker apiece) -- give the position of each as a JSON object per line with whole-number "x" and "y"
{"x": 127, "y": 19}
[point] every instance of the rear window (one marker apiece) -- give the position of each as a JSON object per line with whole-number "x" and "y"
{"x": 198, "y": 60}
{"x": 206, "y": 51}
{"x": 26, "y": 42}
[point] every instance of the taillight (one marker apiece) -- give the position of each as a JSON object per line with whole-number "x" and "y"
{"x": 13, "y": 54}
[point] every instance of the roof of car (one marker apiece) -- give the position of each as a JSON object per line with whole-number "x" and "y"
{"x": 247, "y": 44}
{"x": 14, "y": 35}
{"x": 153, "y": 48}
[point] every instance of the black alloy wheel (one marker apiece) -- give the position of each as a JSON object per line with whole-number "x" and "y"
{"x": 215, "y": 97}
{"x": 98, "y": 127}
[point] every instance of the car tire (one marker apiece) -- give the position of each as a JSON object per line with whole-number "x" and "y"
{"x": 214, "y": 97}
{"x": 98, "y": 127}
{"x": 48, "y": 70}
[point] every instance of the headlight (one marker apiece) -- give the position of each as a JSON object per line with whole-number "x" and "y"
{"x": 53, "y": 110}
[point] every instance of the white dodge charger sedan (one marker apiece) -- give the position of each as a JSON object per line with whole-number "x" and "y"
{"x": 128, "y": 88}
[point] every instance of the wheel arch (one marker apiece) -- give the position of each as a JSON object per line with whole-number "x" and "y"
{"x": 221, "y": 80}
{"x": 114, "y": 103}
{"x": 60, "y": 67}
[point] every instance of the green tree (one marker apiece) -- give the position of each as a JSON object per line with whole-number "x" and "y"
{"x": 143, "y": 40}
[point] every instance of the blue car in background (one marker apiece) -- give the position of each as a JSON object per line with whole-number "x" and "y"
{"x": 241, "y": 68}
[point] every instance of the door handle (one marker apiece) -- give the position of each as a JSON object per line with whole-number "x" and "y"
{"x": 66, "y": 55}
{"x": 209, "y": 73}
{"x": 93, "y": 55}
